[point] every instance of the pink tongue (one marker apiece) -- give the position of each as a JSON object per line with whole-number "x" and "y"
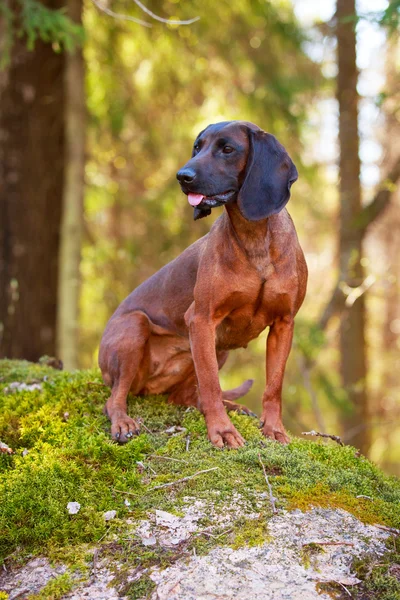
{"x": 195, "y": 199}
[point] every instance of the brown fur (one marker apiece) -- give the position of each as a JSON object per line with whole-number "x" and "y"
{"x": 172, "y": 334}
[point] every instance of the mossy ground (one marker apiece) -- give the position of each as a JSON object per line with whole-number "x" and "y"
{"x": 70, "y": 457}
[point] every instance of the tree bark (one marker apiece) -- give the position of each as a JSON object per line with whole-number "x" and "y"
{"x": 72, "y": 215}
{"x": 352, "y": 328}
{"x": 31, "y": 178}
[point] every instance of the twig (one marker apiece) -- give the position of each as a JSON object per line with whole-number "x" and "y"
{"x": 158, "y": 487}
{"x": 344, "y": 587}
{"x": 102, "y": 537}
{"x": 329, "y": 543}
{"x": 95, "y": 555}
{"x": 363, "y": 496}
{"x": 143, "y": 466}
{"x": 187, "y": 442}
{"x": 111, "y": 13}
{"x": 215, "y": 537}
{"x": 335, "y": 438}
{"x": 167, "y": 458}
{"x": 161, "y": 19}
{"x": 389, "y": 529}
{"x": 141, "y": 424}
{"x": 271, "y": 497}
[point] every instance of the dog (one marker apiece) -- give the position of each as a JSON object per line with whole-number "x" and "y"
{"x": 172, "y": 334}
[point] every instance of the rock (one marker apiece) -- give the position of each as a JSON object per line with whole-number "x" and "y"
{"x": 73, "y": 508}
{"x": 17, "y": 386}
{"x": 276, "y": 570}
{"x": 30, "y": 579}
{"x": 110, "y": 514}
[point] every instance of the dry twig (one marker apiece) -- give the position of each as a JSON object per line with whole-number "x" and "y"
{"x": 167, "y": 458}
{"x": 335, "y": 438}
{"x": 271, "y": 496}
{"x": 164, "y": 485}
{"x": 389, "y": 529}
{"x": 212, "y": 535}
{"x": 344, "y": 587}
{"x": 329, "y": 543}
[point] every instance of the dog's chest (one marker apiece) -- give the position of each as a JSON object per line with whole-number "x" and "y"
{"x": 253, "y": 314}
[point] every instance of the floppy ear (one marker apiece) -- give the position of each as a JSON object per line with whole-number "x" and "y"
{"x": 270, "y": 173}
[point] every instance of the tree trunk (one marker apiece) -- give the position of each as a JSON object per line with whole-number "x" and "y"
{"x": 31, "y": 178}
{"x": 72, "y": 215}
{"x": 352, "y": 327}
{"x": 389, "y": 237}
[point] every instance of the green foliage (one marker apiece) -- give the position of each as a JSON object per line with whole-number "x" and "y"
{"x": 63, "y": 453}
{"x": 35, "y": 21}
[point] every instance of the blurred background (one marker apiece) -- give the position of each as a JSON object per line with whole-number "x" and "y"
{"x": 100, "y": 103}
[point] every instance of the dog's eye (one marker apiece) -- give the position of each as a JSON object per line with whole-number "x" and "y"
{"x": 227, "y": 149}
{"x": 196, "y": 147}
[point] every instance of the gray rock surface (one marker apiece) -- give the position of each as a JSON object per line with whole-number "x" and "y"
{"x": 304, "y": 549}
{"x": 282, "y": 569}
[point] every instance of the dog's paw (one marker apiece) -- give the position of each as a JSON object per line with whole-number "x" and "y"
{"x": 123, "y": 428}
{"x": 222, "y": 433}
{"x": 274, "y": 431}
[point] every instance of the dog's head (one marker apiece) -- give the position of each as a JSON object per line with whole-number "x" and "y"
{"x": 236, "y": 161}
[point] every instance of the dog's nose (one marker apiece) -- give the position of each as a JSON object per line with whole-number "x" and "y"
{"x": 185, "y": 175}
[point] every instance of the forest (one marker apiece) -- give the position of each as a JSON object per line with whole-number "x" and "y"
{"x": 100, "y": 101}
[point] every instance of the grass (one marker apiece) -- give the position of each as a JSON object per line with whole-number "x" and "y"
{"x": 63, "y": 453}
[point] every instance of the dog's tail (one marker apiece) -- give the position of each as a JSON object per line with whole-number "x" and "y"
{"x": 238, "y": 392}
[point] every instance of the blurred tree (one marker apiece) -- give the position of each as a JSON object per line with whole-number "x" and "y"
{"x": 384, "y": 254}
{"x": 73, "y": 193}
{"x": 352, "y": 327}
{"x": 31, "y": 176}
{"x": 31, "y": 171}
{"x": 348, "y": 298}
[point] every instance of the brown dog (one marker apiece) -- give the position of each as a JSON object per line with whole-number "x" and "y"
{"x": 172, "y": 334}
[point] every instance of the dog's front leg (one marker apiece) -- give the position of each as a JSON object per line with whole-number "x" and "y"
{"x": 202, "y": 342}
{"x": 279, "y": 343}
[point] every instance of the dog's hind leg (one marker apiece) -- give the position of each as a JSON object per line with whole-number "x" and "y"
{"x": 123, "y": 361}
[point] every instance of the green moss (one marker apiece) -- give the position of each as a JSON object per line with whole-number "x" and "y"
{"x": 380, "y": 575}
{"x": 309, "y": 553}
{"x": 141, "y": 588}
{"x": 70, "y": 457}
{"x": 250, "y": 532}
{"x": 55, "y": 588}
